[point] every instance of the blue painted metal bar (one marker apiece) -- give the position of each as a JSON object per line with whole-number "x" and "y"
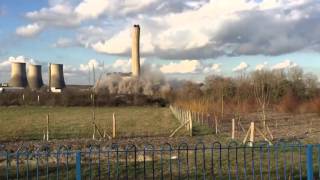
{"x": 78, "y": 165}
{"x": 309, "y": 162}
{"x": 37, "y": 165}
{"x": 67, "y": 163}
{"x": 7, "y": 165}
{"x": 318, "y": 161}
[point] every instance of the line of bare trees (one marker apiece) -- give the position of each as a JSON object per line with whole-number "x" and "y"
{"x": 289, "y": 90}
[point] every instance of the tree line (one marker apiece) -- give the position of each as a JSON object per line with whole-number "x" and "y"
{"x": 290, "y": 90}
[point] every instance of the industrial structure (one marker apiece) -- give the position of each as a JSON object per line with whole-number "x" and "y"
{"x": 135, "y": 62}
{"x": 35, "y": 77}
{"x": 20, "y": 79}
{"x": 135, "y": 51}
{"x": 18, "y": 75}
{"x": 56, "y": 78}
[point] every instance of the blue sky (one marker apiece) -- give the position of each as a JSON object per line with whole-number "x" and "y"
{"x": 185, "y": 39}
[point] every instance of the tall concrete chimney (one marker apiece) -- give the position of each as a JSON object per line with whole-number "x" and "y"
{"x": 18, "y": 75}
{"x": 135, "y": 51}
{"x": 56, "y": 76}
{"x": 34, "y": 77}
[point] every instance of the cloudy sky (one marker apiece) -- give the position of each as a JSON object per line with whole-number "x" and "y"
{"x": 182, "y": 38}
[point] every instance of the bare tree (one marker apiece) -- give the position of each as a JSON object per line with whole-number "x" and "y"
{"x": 262, "y": 91}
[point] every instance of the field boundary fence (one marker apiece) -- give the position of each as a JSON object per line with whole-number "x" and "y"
{"x": 282, "y": 160}
{"x": 282, "y": 126}
{"x": 184, "y": 117}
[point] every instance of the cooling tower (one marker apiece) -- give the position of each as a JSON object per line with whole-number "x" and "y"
{"x": 135, "y": 51}
{"x": 34, "y": 77}
{"x": 56, "y": 78}
{"x": 18, "y": 75}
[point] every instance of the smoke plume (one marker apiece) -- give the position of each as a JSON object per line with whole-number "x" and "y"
{"x": 151, "y": 82}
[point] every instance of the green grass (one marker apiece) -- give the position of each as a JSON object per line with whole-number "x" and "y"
{"x": 28, "y": 123}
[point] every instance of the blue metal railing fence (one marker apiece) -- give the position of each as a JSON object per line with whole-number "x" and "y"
{"x": 184, "y": 161}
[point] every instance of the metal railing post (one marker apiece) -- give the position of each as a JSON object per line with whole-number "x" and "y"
{"x": 309, "y": 162}
{"x": 78, "y": 165}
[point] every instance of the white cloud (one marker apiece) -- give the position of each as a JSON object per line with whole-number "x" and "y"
{"x": 92, "y": 63}
{"x": 5, "y": 65}
{"x": 121, "y": 43}
{"x": 91, "y": 9}
{"x": 29, "y": 30}
{"x": 22, "y": 59}
{"x": 60, "y": 15}
{"x": 284, "y": 65}
{"x": 116, "y": 45}
{"x": 241, "y": 67}
{"x": 119, "y": 65}
{"x": 220, "y": 27}
{"x": 215, "y": 68}
{"x": 260, "y": 67}
{"x": 91, "y": 34}
{"x": 189, "y": 29}
{"x": 64, "y": 42}
{"x": 184, "y": 66}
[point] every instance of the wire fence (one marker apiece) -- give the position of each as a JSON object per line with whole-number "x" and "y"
{"x": 277, "y": 123}
{"x": 183, "y": 161}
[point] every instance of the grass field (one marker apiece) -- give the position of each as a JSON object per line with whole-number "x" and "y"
{"x": 28, "y": 123}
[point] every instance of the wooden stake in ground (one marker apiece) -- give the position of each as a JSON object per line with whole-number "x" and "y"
{"x": 94, "y": 126}
{"x": 176, "y": 130}
{"x": 48, "y": 127}
{"x": 187, "y": 119}
{"x": 202, "y": 118}
{"x": 233, "y": 129}
{"x": 190, "y": 124}
{"x": 252, "y": 133}
{"x": 113, "y": 125}
{"x": 38, "y": 99}
{"x": 269, "y": 132}
{"x": 216, "y": 123}
{"x": 105, "y": 129}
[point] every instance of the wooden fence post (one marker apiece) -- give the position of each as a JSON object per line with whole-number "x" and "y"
{"x": 251, "y": 134}
{"x": 201, "y": 118}
{"x": 216, "y": 123}
{"x": 94, "y": 126}
{"x": 233, "y": 129}
{"x": 190, "y": 124}
{"x": 47, "y": 127}
{"x": 113, "y": 125}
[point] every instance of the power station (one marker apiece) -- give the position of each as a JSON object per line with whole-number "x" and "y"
{"x": 56, "y": 82}
{"x": 35, "y": 77}
{"x": 56, "y": 78}
{"x": 18, "y": 75}
{"x": 20, "y": 79}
